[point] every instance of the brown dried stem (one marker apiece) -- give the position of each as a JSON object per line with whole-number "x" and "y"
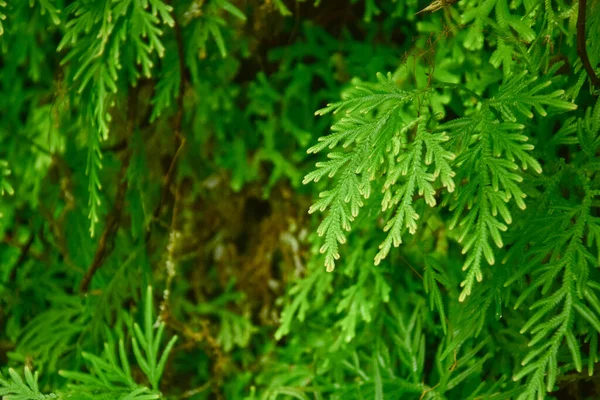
{"x": 581, "y": 47}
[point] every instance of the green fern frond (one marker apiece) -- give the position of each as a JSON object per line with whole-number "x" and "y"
{"x": 370, "y": 288}
{"x": 521, "y": 94}
{"x": 491, "y": 183}
{"x": 48, "y": 6}
{"x": 553, "y": 322}
{"x": 419, "y": 179}
{"x": 208, "y": 22}
{"x": 236, "y": 329}
{"x": 304, "y": 293}
{"x": 583, "y": 131}
{"x": 167, "y": 87}
{"x": 377, "y": 147}
{"x": 17, "y": 389}
{"x": 50, "y": 335}
{"x": 476, "y": 16}
{"x": 110, "y": 374}
{"x": 98, "y": 55}
{"x": 149, "y": 341}
{"x": 433, "y": 278}
{"x": 489, "y": 166}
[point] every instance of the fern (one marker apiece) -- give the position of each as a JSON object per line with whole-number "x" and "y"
{"x": 207, "y": 22}
{"x": 433, "y": 278}
{"x": 50, "y": 336}
{"x": 458, "y": 199}
{"x": 17, "y": 389}
{"x": 99, "y": 57}
{"x": 561, "y": 261}
{"x": 493, "y": 146}
{"x": 149, "y": 342}
{"x": 110, "y": 374}
{"x": 377, "y": 144}
{"x": 235, "y": 329}
{"x": 569, "y": 258}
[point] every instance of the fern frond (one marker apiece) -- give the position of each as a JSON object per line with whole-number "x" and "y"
{"x": 97, "y": 53}
{"x": 521, "y": 94}
{"x": 17, "y": 389}
{"x": 149, "y": 341}
{"x": 235, "y": 329}
{"x": 553, "y": 322}
{"x": 414, "y": 164}
{"x": 433, "y": 278}
{"x": 492, "y": 164}
{"x": 51, "y": 334}
{"x": 361, "y": 300}
{"x": 209, "y": 23}
{"x": 378, "y": 146}
{"x": 488, "y": 165}
{"x": 304, "y": 293}
{"x": 110, "y": 374}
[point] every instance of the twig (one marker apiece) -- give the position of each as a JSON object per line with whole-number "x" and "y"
{"x": 459, "y": 87}
{"x": 25, "y": 249}
{"x": 116, "y": 147}
{"x": 171, "y": 262}
{"x": 35, "y": 145}
{"x": 427, "y": 390}
{"x": 168, "y": 180}
{"x": 192, "y": 392}
{"x": 581, "y": 47}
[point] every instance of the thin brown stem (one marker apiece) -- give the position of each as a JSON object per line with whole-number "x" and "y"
{"x": 171, "y": 261}
{"x": 581, "y": 47}
{"x": 25, "y": 251}
{"x": 168, "y": 180}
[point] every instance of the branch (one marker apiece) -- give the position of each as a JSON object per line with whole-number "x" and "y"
{"x": 167, "y": 181}
{"x": 581, "y": 47}
{"x": 171, "y": 261}
{"x": 24, "y": 252}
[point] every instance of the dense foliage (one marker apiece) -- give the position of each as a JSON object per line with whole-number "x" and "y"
{"x": 157, "y": 175}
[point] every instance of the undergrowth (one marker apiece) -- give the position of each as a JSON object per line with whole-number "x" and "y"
{"x": 270, "y": 199}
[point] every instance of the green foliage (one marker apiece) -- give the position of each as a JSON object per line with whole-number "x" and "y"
{"x": 377, "y": 144}
{"x": 171, "y": 144}
{"x": 110, "y": 374}
{"x": 5, "y": 186}
{"x": 17, "y": 389}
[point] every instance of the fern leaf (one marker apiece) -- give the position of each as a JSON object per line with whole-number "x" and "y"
{"x": 18, "y": 389}
{"x": 373, "y": 147}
